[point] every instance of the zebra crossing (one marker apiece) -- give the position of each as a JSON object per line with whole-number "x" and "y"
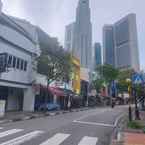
{"x": 56, "y": 139}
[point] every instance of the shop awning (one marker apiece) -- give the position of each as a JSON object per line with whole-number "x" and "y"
{"x": 56, "y": 91}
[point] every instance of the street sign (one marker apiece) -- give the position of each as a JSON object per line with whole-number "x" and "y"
{"x": 137, "y": 79}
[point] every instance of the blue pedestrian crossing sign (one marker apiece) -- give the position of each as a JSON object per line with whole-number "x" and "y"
{"x": 138, "y": 79}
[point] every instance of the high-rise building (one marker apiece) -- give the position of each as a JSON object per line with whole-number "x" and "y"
{"x": 123, "y": 35}
{"x": 82, "y": 44}
{"x": 69, "y": 37}
{"x": 98, "y": 54}
{"x": 126, "y": 43}
{"x": 0, "y": 6}
{"x": 108, "y": 45}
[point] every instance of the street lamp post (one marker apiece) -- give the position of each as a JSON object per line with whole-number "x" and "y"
{"x": 129, "y": 92}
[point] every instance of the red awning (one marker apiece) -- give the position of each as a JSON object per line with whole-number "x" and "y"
{"x": 56, "y": 91}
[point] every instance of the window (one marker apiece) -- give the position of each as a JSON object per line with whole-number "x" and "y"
{"x": 18, "y": 63}
{"x": 22, "y": 64}
{"x": 2, "y": 62}
{"x": 14, "y": 62}
{"x": 25, "y": 65}
{"x": 9, "y": 61}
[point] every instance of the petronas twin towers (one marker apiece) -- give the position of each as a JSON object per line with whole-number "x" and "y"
{"x": 78, "y": 37}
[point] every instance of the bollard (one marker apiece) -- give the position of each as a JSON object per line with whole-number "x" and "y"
{"x": 130, "y": 113}
{"x": 120, "y": 137}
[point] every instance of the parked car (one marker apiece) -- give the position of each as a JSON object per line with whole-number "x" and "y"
{"x": 49, "y": 107}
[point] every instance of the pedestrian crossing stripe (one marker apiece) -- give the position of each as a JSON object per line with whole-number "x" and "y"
{"x": 9, "y": 132}
{"x": 56, "y": 139}
{"x": 88, "y": 141}
{"x": 22, "y": 139}
{"x": 59, "y": 138}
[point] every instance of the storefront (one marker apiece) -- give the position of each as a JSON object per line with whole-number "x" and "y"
{"x": 84, "y": 75}
{"x": 13, "y": 98}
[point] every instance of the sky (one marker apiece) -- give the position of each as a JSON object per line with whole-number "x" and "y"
{"x": 53, "y": 15}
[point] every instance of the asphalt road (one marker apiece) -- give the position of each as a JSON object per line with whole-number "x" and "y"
{"x": 91, "y": 127}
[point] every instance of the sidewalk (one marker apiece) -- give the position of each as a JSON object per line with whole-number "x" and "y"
{"x": 132, "y": 136}
{"x": 20, "y": 116}
{"x": 134, "y": 139}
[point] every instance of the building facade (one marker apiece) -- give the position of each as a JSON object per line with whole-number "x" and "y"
{"x": 76, "y": 82}
{"x": 108, "y": 45}
{"x": 19, "y": 48}
{"x": 98, "y": 54}
{"x": 0, "y": 6}
{"x": 79, "y": 35}
{"x": 126, "y": 43}
{"x": 69, "y": 37}
{"x": 121, "y": 44}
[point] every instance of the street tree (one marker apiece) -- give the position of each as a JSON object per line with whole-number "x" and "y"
{"x": 123, "y": 76}
{"x": 97, "y": 84}
{"x": 55, "y": 68}
{"x": 54, "y": 62}
{"x": 107, "y": 73}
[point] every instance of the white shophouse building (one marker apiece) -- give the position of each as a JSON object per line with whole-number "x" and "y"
{"x": 19, "y": 45}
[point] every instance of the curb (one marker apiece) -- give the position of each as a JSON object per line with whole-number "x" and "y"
{"x": 35, "y": 116}
{"x": 119, "y": 127}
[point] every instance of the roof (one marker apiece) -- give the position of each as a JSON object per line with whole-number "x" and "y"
{"x": 22, "y": 26}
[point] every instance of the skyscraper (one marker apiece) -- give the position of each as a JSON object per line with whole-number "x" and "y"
{"x": 83, "y": 34}
{"x": 121, "y": 44}
{"x": 108, "y": 45}
{"x": 97, "y": 56}
{"x": 0, "y": 6}
{"x": 126, "y": 43}
{"x": 69, "y": 37}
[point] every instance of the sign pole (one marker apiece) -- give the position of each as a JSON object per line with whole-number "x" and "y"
{"x": 137, "y": 114}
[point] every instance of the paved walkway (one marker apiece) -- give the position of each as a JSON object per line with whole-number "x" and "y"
{"x": 135, "y": 138}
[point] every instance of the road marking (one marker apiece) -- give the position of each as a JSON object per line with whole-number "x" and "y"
{"x": 56, "y": 139}
{"x": 9, "y": 132}
{"x": 88, "y": 141}
{"x": 22, "y": 139}
{"x": 94, "y": 123}
{"x": 96, "y": 113}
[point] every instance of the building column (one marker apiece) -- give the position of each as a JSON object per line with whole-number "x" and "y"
{"x": 29, "y": 99}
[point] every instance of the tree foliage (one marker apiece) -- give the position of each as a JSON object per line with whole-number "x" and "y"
{"x": 122, "y": 80}
{"x": 55, "y": 68}
{"x": 107, "y": 73}
{"x": 97, "y": 84}
{"x": 54, "y": 62}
